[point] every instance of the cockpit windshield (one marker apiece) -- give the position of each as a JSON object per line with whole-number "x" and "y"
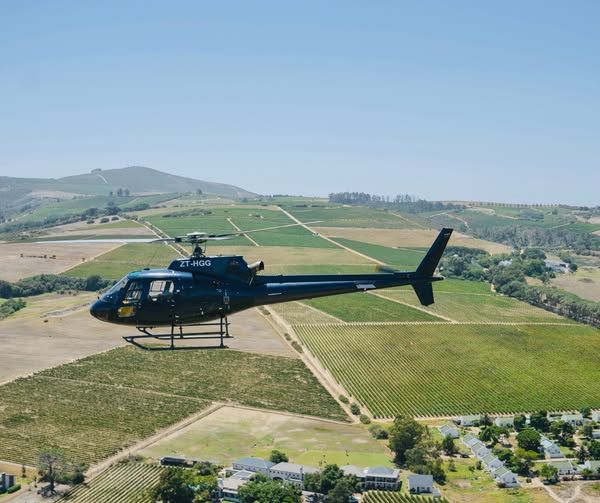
{"x": 115, "y": 294}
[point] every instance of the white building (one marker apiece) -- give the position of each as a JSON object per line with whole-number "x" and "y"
{"x": 256, "y": 465}
{"x": 596, "y": 416}
{"x": 505, "y": 476}
{"x": 229, "y": 486}
{"x": 420, "y": 484}
{"x": 491, "y": 463}
{"x": 573, "y": 419}
{"x": 564, "y": 467}
{"x": 505, "y": 422}
{"x": 449, "y": 430}
{"x": 291, "y": 472}
{"x": 469, "y": 420}
{"x": 551, "y": 450}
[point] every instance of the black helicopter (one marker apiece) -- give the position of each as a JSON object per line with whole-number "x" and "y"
{"x": 199, "y": 289}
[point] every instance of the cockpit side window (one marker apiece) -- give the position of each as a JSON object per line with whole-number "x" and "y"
{"x": 160, "y": 288}
{"x": 116, "y": 291}
{"x": 134, "y": 292}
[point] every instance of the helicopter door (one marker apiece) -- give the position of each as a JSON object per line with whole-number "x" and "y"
{"x": 158, "y": 306}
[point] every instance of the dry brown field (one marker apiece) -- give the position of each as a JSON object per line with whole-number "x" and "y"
{"x": 585, "y": 283}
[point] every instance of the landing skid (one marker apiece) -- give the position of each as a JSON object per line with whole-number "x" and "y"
{"x": 221, "y": 333}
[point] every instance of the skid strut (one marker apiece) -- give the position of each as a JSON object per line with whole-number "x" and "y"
{"x": 221, "y": 333}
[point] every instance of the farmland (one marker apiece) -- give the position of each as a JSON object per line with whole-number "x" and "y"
{"x": 393, "y": 497}
{"x": 445, "y": 369}
{"x": 121, "y": 483}
{"x": 103, "y": 403}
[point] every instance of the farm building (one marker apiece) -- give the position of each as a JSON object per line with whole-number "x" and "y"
{"x": 491, "y": 462}
{"x": 505, "y": 476}
{"x": 469, "y": 440}
{"x": 564, "y": 467}
{"x": 378, "y": 477}
{"x": 421, "y": 484}
{"x": 255, "y": 465}
{"x": 573, "y": 419}
{"x": 505, "y": 422}
{"x": 449, "y": 430}
{"x": 291, "y": 472}
{"x": 469, "y": 420}
{"x": 551, "y": 450}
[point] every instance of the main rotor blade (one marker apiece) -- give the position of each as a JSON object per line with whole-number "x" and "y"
{"x": 104, "y": 240}
{"x": 239, "y": 233}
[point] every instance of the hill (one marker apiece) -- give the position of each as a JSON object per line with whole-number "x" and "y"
{"x": 137, "y": 180}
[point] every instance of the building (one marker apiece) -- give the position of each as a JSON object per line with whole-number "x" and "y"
{"x": 229, "y": 486}
{"x": 420, "y": 484}
{"x": 596, "y": 416}
{"x": 291, "y": 472}
{"x": 469, "y": 420}
{"x": 449, "y": 430}
{"x": 591, "y": 464}
{"x": 382, "y": 478}
{"x": 505, "y": 422}
{"x": 551, "y": 450}
{"x": 564, "y": 467}
{"x": 469, "y": 440}
{"x": 573, "y": 419}
{"x": 7, "y": 480}
{"x": 491, "y": 463}
{"x": 255, "y": 465}
{"x": 505, "y": 476}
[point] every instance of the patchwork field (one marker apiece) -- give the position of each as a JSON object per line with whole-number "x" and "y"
{"x": 103, "y": 403}
{"x": 446, "y": 369}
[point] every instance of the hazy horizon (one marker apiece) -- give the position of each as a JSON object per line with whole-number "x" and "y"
{"x": 461, "y": 101}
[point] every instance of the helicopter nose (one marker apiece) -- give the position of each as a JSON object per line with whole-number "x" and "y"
{"x": 102, "y": 310}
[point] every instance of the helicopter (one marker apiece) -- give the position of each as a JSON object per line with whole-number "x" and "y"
{"x": 197, "y": 290}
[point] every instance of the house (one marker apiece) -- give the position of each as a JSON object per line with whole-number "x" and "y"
{"x": 564, "y": 467}
{"x": 505, "y": 422}
{"x": 420, "y": 484}
{"x": 551, "y": 450}
{"x": 382, "y": 478}
{"x": 479, "y": 449}
{"x": 469, "y": 440}
{"x": 591, "y": 464}
{"x": 7, "y": 480}
{"x": 469, "y": 420}
{"x": 449, "y": 430}
{"x": 256, "y": 465}
{"x": 491, "y": 462}
{"x": 595, "y": 434}
{"x": 229, "y": 486}
{"x": 596, "y": 416}
{"x": 572, "y": 419}
{"x": 291, "y": 472}
{"x": 505, "y": 476}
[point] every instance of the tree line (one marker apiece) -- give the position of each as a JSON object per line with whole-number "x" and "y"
{"x": 400, "y": 202}
{"x": 46, "y": 283}
{"x": 508, "y": 273}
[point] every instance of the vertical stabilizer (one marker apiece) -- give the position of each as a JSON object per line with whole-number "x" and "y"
{"x": 425, "y": 293}
{"x": 433, "y": 256}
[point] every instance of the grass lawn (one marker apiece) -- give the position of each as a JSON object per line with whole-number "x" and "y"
{"x": 231, "y": 433}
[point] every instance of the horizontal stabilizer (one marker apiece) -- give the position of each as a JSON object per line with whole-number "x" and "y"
{"x": 425, "y": 293}
{"x": 432, "y": 259}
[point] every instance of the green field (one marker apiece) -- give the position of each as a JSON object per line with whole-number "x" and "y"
{"x": 397, "y": 497}
{"x": 404, "y": 258}
{"x": 121, "y": 483}
{"x": 96, "y": 406}
{"x": 335, "y": 215}
{"x": 364, "y": 307}
{"x": 449, "y": 369}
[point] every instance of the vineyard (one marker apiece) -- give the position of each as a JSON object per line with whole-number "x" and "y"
{"x": 101, "y": 404}
{"x": 450, "y": 369}
{"x": 121, "y": 483}
{"x": 394, "y": 497}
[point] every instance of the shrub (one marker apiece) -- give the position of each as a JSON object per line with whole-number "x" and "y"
{"x": 14, "y": 489}
{"x": 364, "y": 419}
{"x": 355, "y": 409}
{"x": 378, "y": 432}
{"x": 297, "y": 346}
{"x": 344, "y": 399}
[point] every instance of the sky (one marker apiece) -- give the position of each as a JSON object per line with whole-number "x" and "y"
{"x": 461, "y": 100}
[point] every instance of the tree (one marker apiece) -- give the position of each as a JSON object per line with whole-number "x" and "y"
{"x": 341, "y": 492}
{"x": 519, "y": 422}
{"x": 52, "y": 466}
{"x": 549, "y": 472}
{"x": 529, "y": 440}
{"x": 174, "y": 486}
{"x": 449, "y": 446}
{"x": 404, "y": 434}
{"x": 269, "y": 491}
{"x": 278, "y": 456}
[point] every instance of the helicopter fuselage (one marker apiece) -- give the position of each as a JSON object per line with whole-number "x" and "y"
{"x": 202, "y": 288}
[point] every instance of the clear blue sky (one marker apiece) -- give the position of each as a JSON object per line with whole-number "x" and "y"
{"x": 496, "y": 101}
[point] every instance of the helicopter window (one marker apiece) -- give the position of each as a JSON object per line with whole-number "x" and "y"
{"x": 116, "y": 291}
{"x": 134, "y": 292}
{"x": 160, "y": 288}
